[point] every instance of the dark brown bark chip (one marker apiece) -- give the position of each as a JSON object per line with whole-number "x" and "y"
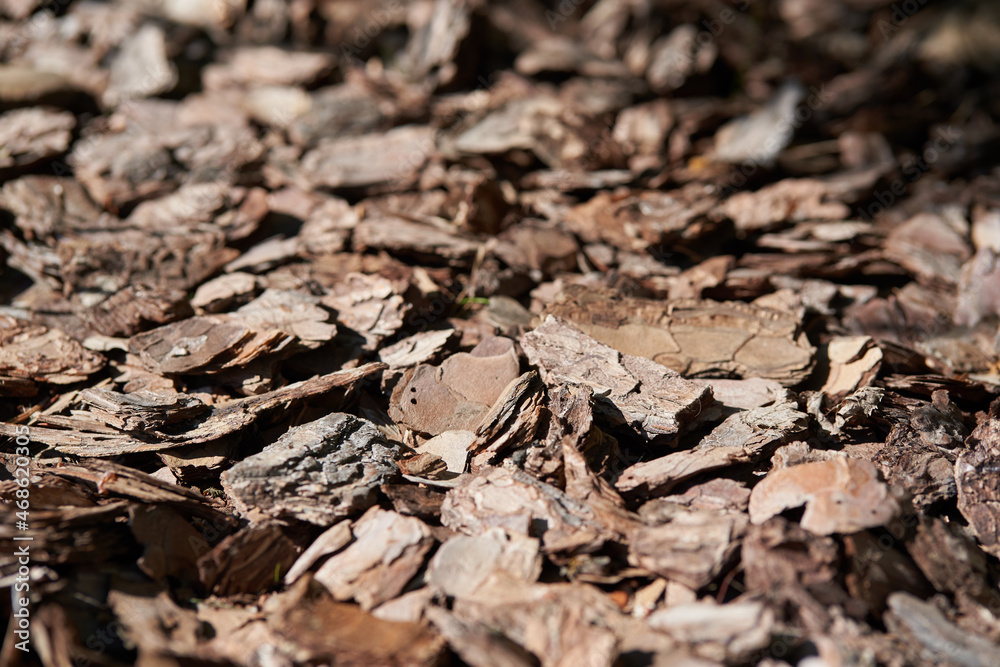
{"x": 978, "y": 487}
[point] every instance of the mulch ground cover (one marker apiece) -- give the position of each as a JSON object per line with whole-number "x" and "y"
{"x": 632, "y": 333}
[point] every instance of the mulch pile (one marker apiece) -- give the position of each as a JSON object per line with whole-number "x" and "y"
{"x": 500, "y": 333}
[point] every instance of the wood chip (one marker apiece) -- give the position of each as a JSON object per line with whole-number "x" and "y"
{"x": 842, "y": 495}
{"x": 392, "y": 158}
{"x": 745, "y": 437}
{"x": 633, "y": 392}
{"x": 457, "y": 394}
{"x": 44, "y": 355}
{"x": 226, "y": 419}
{"x": 387, "y": 551}
{"x": 317, "y": 472}
{"x": 696, "y": 338}
{"x": 978, "y": 497}
{"x": 30, "y": 135}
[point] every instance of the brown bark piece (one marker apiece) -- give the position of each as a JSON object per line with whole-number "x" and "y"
{"x": 435, "y": 42}
{"x": 37, "y": 353}
{"x": 327, "y": 226}
{"x": 387, "y": 551}
{"x": 677, "y": 56}
{"x": 249, "y": 561}
{"x": 314, "y": 628}
{"x": 392, "y": 158}
{"x": 634, "y": 392}
{"x": 854, "y": 363}
{"x": 275, "y": 325}
{"x": 522, "y": 505}
{"x": 70, "y": 535}
{"x": 694, "y": 337}
{"x": 692, "y": 548}
{"x": 420, "y": 348}
{"x": 171, "y": 544}
{"x": 452, "y": 447}
{"x": 758, "y": 137}
{"x": 924, "y": 624}
{"x": 107, "y": 261}
{"x": 330, "y": 541}
{"x": 792, "y": 200}
{"x": 264, "y": 66}
{"x": 745, "y": 437}
{"x": 235, "y": 211}
{"x": 781, "y": 556}
{"x": 913, "y": 461}
{"x": 141, "y": 411}
{"x": 978, "y": 289}
{"x": 716, "y": 494}
{"x": 477, "y": 644}
{"x": 978, "y": 488}
{"x": 519, "y": 124}
{"x": 191, "y": 345}
{"x": 929, "y": 247}
{"x": 561, "y": 624}
{"x": 841, "y": 495}
{"x": 643, "y": 219}
{"x": 348, "y": 109}
{"x": 110, "y": 479}
{"x": 642, "y": 129}
{"x": 141, "y": 68}
{"x": 225, "y": 419}
{"x": 463, "y": 563}
{"x": 46, "y": 205}
{"x": 266, "y": 255}
{"x": 877, "y": 572}
{"x": 743, "y": 394}
{"x": 720, "y": 632}
{"x": 292, "y": 312}
{"x": 579, "y": 441}
{"x": 951, "y": 561}
{"x": 528, "y": 247}
{"x": 221, "y": 293}
{"x": 30, "y": 135}
{"x": 317, "y": 472}
{"x": 135, "y": 160}
{"x": 368, "y": 305}
{"x": 142, "y": 612}
{"x": 17, "y": 387}
{"x": 511, "y": 422}
{"x": 457, "y": 394}
{"x": 21, "y": 83}
{"x": 130, "y": 310}
{"x": 400, "y": 236}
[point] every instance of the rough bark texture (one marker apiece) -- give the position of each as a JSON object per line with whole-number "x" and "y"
{"x": 317, "y": 472}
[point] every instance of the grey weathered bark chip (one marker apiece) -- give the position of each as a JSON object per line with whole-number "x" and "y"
{"x": 317, "y": 472}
